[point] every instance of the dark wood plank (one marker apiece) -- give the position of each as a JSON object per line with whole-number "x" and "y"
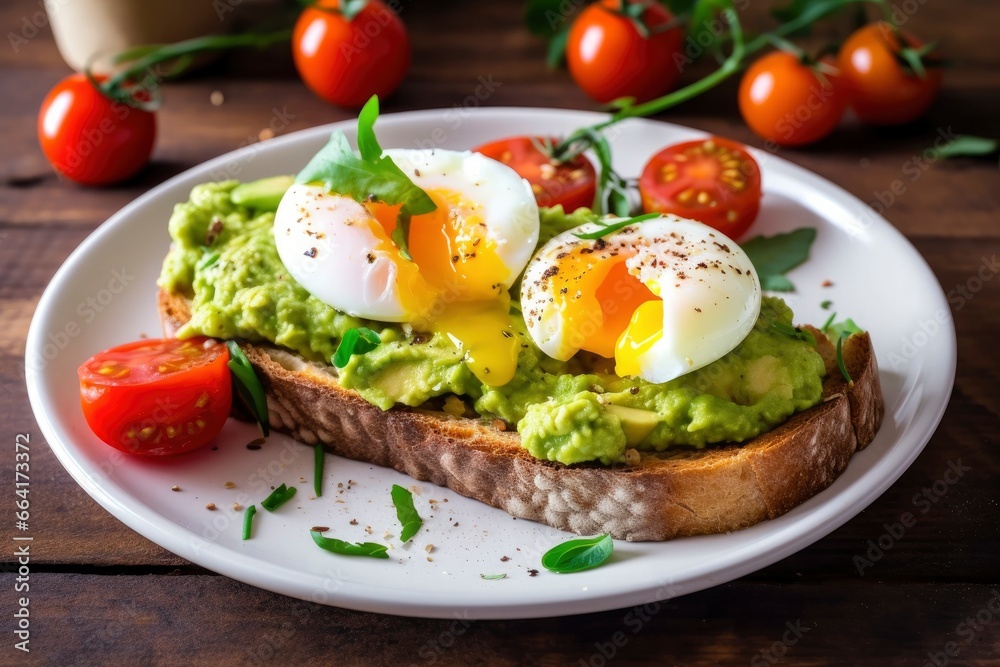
{"x": 153, "y": 620}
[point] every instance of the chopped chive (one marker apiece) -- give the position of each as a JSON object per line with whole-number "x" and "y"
{"x": 248, "y": 521}
{"x": 320, "y": 459}
{"x": 829, "y": 321}
{"x": 278, "y": 497}
{"x": 795, "y": 332}
{"x": 493, "y": 577}
{"x": 333, "y": 545}
{"x": 840, "y": 359}
{"x": 614, "y": 227}
{"x": 248, "y": 386}
{"x": 208, "y": 260}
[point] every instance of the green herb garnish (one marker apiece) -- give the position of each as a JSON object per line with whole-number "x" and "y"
{"x": 577, "y": 555}
{"x": 969, "y": 146}
{"x": 774, "y": 256}
{"x": 493, "y": 577}
{"x": 611, "y": 227}
{"x": 319, "y": 460}
{"x": 826, "y": 304}
{"x": 406, "y": 512}
{"x": 795, "y": 332}
{"x": 248, "y": 387}
{"x": 278, "y": 497}
{"x": 840, "y": 358}
{"x": 208, "y": 260}
{"x": 845, "y": 328}
{"x": 355, "y": 341}
{"x": 333, "y": 545}
{"x": 248, "y": 521}
{"x": 370, "y": 177}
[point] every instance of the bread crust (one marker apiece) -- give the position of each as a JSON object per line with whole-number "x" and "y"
{"x": 687, "y": 492}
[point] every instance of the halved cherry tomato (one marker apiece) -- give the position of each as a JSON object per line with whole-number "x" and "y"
{"x": 883, "y": 91}
{"x": 791, "y": 103}
{"x": 157, "y": 397}
{"x": 609, "y": 58}
{"x": 570, "y": 183}
{"x": 90, "y": 138}
{"x": 713, "y": 180}
{"x": 346, "y": 61}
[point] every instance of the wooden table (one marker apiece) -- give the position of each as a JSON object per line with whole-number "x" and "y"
{"x": 101, "y": 594}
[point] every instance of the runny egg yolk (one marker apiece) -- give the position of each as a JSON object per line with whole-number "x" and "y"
{"x": 458, "y": 282}
{"x": 605, "y": 309}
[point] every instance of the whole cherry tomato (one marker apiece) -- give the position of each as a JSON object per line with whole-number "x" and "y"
{"x": 157, "y": 397}
{"x": 884, "y": 91}
{"x": 571, "y": 184}
{"x": 714, "y": 181}
{"x": 347, "y": 59}
{"x": 791, "y": 103}
{"x": 89, "y": 137}
{"x": 610, "y": 58}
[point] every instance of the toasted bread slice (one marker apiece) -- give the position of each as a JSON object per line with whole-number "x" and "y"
{"x": 665, "y": 495}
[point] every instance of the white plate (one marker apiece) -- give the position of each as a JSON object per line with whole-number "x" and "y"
{"x": 104, "y": 295}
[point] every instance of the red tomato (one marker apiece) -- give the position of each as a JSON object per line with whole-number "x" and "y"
{"x": 90, "y": 138}
{"x": 789, "y": 103}
{"x": 344, "y": 61}
{"x": 571, "y": 183}
{"x": 609, "y": 58}
{"x": 711, "y": 180}
{"x": 883, "y": 91}
{"x": 157, "y": 397}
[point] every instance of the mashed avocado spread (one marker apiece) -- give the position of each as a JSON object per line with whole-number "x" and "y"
{"x": 224, "y": 258}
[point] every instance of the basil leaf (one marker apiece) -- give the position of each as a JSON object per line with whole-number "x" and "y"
{"x": 355, "y": 341}
{"x": 615, "y": 226}
{"x": 577, "y": 555}
{"x": 406, "y": 512}
{"x": 795, "y": 332}
{"x": 319, "y": 459}
{"x": 248, "y": 521}
{"x": 966, "y": 145}
{"x": 333, "y": 545}
{"x": 248, "y": 386}
{"x": 278, "y": 497}
{"x": 773, "y": 256}
{"x": 372, "y": 176}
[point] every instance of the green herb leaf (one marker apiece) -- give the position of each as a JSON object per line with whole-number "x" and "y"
{"x": 406, "y": 512}
{"x": 278, "y": 497}
{"x": 614, "y": 226}
{"x": 840, "y": 359}
{"x": 493, "y": 577}
{"x": 351, "y": 8}
{"x": 248, "y": 386}
{"x": 248, "y": 521}
{"x": 319, "y": 460}
{"x": 826, "y": 304}
{"x": 845, "y": 328}
{"x": 795, "y": 332}
{"x": 208, "y": 261}
{"x": 773, "y": 256}
{"x": 556, "y": 52}
{"x": 966, "y": 145}
{"x": 577, "y": 555}
{"x": 371, "y": 176}
{"x": 333, "y": 545}
{"x": 545, "y": 18}
{"x": 355, "y": 341}
{"x": 829, "y": 321}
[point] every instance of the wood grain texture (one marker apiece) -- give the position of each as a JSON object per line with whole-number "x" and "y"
{"x": 101, "y": 594}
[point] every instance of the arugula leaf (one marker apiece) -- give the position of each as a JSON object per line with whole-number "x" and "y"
{"x": 578, "y": 555}
{"x": 372, "y": 176}
{"x": 841, "y": 329}
{"x": 967, "y": 145}
{"x": 333, "y": 545}
{"x": 406, "y": 512}
{"x": 248, "y": 386}
{"x": 278, "y": 497}
{"x": 355, "y": 341}
{"x": 773, "y": 256}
